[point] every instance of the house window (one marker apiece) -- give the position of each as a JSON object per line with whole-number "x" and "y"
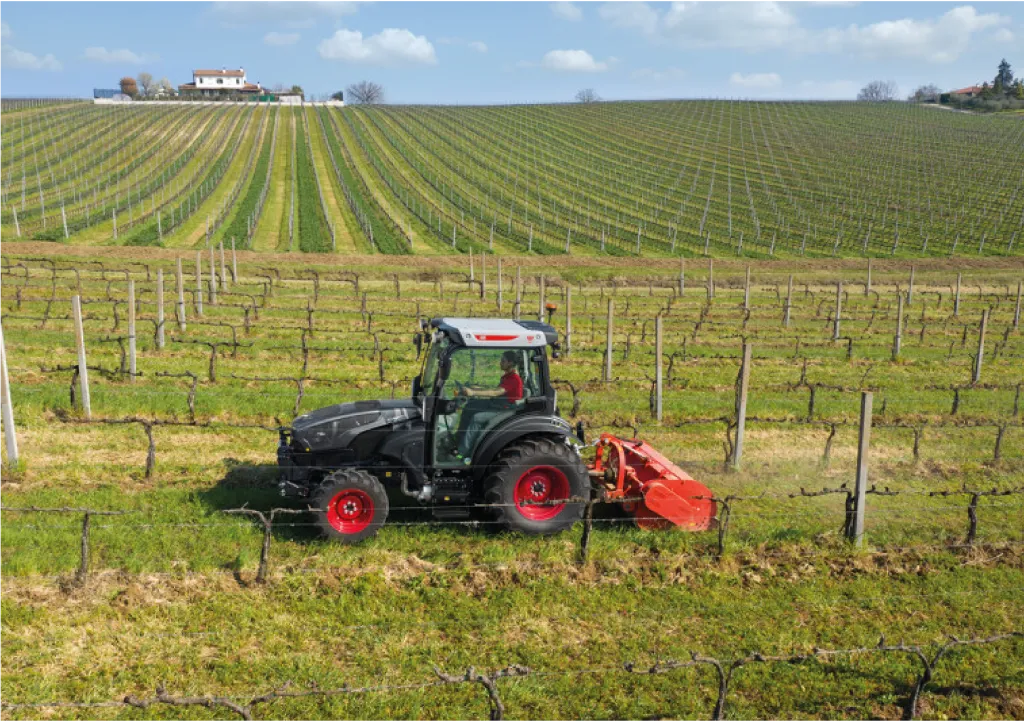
{"x": 220, "y": 81}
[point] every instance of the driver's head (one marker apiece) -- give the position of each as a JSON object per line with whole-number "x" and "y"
{"x": 509, "y": 358}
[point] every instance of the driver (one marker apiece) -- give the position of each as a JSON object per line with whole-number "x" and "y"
{"x": 510, "y": 387}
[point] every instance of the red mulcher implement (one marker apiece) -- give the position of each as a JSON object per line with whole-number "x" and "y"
{"x": 655, "y": 490}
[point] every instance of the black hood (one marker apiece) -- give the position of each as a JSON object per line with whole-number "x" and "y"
{"x": 336, "y": 426}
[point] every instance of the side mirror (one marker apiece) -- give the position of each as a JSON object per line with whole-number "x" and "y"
{"x": 417, "y": 339}
{"x": 417, "y": 386}
{"x": 579, "y": 432}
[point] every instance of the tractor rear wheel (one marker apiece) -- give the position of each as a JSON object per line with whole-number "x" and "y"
{"x": 351, "y": 506}
{"x": 535, "y": 471}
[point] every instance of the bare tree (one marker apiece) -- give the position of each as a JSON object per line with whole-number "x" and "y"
{"x": 879, "y": 90}
{"x": 146, "y": 83}
{"x": 365, "y": 92}
{"x": 587, "y": 95}
{"x": 926, "y": 94}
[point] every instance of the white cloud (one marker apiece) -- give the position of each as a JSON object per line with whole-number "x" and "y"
{"x": 391, "y": 46}
{"x": 122, "y": 56}
{"x": 1004, "y": 35}
{"x": 747, "y": 26}
{"x": 276, "y": 38}
{"x": 761, "y": 81}
{"x": 639, "y": 16}
{"x": 22, "y": 60}
{"x": 567, "y": 11}
{"x": 766, "y": 25}
{"x": 942, "y": 40}
{"x": 478, "y": 46}
{"x": 286, "y": 14}
{"x": 5, "y": 31}
{"x": 573, "y": 61}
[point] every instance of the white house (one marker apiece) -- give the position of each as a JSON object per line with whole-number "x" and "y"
{"x": 213, "y": 83}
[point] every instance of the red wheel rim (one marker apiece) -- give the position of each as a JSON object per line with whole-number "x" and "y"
{"x": 540, "y": 484}
{"x": 350, "y": 511}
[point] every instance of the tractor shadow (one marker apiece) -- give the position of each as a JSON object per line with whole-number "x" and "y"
{"x": 255, "y": 486}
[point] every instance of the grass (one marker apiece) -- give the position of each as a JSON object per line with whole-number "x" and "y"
{"x": 793, "y": 180}
{"x": 171, "y": 599}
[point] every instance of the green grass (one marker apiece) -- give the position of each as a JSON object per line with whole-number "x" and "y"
{"x": 171, "y": 599}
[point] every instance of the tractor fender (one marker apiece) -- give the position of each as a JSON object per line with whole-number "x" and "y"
{"x": 515, "y": 428}
{"x": 406, "y": 448}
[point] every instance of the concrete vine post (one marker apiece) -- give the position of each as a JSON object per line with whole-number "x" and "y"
{"x": 131, "y": 330}
{"x": 223, "y": 269}
{"x": 657, "y": 368}
{"x": 898, "y": 341}
{"x": 856, "y": 533}
{"x": 568, "y": 320}
{"x": 741, "y": 406}
{"x": 83, "y": 370}
{"x": 839, "y": 311}
{"x": 10, "y": 436}
{"x": 976, "y": 378}
{"x": 180, "y": 284}
{"x": 159, "y": 308}
{"x": 789, "y": 303}
{"x": 199, "y": 283}
{"x": 608, "y": 342}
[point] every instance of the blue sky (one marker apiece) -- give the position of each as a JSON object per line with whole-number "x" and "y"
{"x": 500, "y": 52}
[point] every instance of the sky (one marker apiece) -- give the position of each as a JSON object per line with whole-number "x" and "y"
{"x": 503, "y": 52}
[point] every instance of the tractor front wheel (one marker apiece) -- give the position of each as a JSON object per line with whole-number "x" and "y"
{"x": 527, "y": 481}
{"x": 351, "y": 505}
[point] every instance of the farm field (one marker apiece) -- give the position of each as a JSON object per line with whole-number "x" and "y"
{"x": 630, "y": 179}
{"x": 173, "y": 595}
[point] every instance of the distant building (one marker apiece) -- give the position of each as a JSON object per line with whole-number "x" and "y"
{"x": 110, "y": 95}
{"x": 969, "y": 92}
{"x": 216, "y": 83}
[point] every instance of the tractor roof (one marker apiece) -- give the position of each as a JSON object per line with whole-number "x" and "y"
{"x": 496, "y": 332}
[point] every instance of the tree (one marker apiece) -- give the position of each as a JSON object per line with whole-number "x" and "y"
{"x": 165, "y": 85}
{"x": 587, "y": 95}
{"x": 1018, "y": 89}
{"x": 879, "y": 90}
{"x": 128, "y": 86}
{"x": 366, "y": 93}
{"x": 926, "y": 94}
{"x": 1004, "y": 76}
{"x": 298, "y": 89}
{"x": 337, "y": 96}
{"x": 146, "y": 84}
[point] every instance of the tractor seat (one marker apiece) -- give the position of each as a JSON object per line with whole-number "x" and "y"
{"x": 485, "y": 421}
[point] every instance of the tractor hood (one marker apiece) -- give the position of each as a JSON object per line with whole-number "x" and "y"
{"x": 338, "y": 425}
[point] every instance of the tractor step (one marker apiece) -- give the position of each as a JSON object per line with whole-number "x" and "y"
{"x": 453, "y": 513}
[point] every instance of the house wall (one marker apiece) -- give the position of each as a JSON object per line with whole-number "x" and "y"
{"x": 210, "y": 81}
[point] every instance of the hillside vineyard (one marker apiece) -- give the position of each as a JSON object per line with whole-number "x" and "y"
{"x": 655, "y": 179}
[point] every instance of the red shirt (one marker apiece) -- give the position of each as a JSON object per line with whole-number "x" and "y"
{"x": 512, "y": 383}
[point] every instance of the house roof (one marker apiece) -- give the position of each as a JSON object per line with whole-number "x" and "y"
{"x": 228, "y": 73}
{"x": 968, "y": 89}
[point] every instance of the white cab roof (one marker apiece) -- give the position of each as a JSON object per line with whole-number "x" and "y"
{"x": 495, "y": 332}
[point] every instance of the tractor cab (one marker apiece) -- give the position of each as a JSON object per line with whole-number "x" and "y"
{"x": 479, "y": 376}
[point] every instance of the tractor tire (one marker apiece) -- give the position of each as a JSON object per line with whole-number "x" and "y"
{"x": 537, "y": 470}
{"x": 351, "y": 506}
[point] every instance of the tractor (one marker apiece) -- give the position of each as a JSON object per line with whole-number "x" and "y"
{"x": 480, "y": 428}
